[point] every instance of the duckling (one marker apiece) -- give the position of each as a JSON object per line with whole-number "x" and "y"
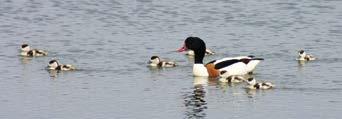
{"x": 27, "y": 51}
{"x": 252, "y": 84}
{"x": 232, "y": 79}
{"x": 266, "y": 85}
{"x": 54, "y": 65}
{"x": 302, "y": 56}
{"x": 207, "y": 52}
{"x": 155, "y": 61}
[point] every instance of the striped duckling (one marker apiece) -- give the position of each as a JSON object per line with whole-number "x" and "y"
{"x": 155, "y": 61}
{"x": 252, "y": 84}
{"x": 55, "y": 65}
{"x": 231, "y": 79}
{"x": 27, "y": 51}
{"x": 302, "y": 56}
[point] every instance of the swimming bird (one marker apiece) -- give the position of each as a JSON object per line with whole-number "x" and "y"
{"x": 224, "y": 67}
{"x": 55, "y": 65}
{"x": 27, "y": 51}
{"x": 302, "y": 56}
{"x": 155, "y": 61}
{"x": 252, "y": 84}
{"x": 231, "y": 79}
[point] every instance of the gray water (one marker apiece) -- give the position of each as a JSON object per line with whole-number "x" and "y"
{"x": 110, "y": 42}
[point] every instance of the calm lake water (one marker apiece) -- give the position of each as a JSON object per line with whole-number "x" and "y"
{"x": 110, "y": 41}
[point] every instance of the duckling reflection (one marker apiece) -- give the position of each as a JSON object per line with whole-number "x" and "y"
{"x": 250, "y": 93}
{"x": 54, "y": 73}
{"x": 25, "y": 60}
{"x": 195, "y": 101}
{"x": 301, "y": 62}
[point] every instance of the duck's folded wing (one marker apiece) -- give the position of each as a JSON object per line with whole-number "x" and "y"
{"x": 226, "y": 63}
{"x": 230, "y": 58}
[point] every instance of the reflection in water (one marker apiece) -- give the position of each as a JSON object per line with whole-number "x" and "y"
{"x": 212, "y": 81}
{"x": 224, "y": 86}
{"x": 25, "y": 60}
{"x": 195, "y": 101}
{"x": 201, "y": 81}
{"x": 250, "y": 93}
{"x": 154, "y": 69}
{"x": 53, "y": 73}
{"x": 301, "y": 63}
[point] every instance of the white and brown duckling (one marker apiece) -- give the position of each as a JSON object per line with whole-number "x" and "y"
{"x": 252, "y": 84}
{"x": 231, "y": 79}
{"x": 302, "y": 56}
{"x": 207, "y": 52}
{"x": 27, "y": 51}
{"x": 155, "y": 61}
{"x": 55, "y": 65}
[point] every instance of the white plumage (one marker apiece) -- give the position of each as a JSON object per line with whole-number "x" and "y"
{"x": 55, "y": 65}
{"x": 155, "y": 61}
{"x": 27, "y": 51}
{"x": 302, "y": 56}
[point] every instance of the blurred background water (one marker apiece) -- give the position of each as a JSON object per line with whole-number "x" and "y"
{"x": 110, "y": 41}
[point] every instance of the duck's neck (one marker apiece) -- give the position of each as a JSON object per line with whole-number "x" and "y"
{"x": 199, "y": 55}
{"x": 199, "y": 69}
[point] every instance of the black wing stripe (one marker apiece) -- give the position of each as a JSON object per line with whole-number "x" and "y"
{"x": 226, "y": 63}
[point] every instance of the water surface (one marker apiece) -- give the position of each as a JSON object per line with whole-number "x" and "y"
{"x": 110, "y": 41}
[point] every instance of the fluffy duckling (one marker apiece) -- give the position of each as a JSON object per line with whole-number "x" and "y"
{"x": 54, "y": 65}
{"x": 155, "y": 61}
{"x": 302, "y": 56}
{"x": 27, "y": 51}
{"x": 232, "y": 79}
{"x": 252, "y": 84}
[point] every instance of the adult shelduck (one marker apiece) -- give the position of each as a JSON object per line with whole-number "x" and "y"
{"x": 55, "y": 65}
{"x": 155, "y": 61}
{"x": 27, "y": 51}
{"x": 302, "y": 56}
{"x": 225, "y": 67}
